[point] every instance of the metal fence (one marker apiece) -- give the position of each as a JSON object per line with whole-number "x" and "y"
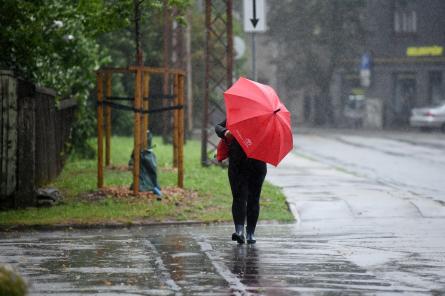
{"x": 34, "y": 129}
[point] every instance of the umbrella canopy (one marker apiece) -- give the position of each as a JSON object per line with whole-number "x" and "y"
{"x": 258, "y": 121}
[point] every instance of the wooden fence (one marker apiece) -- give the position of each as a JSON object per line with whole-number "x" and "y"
{"x": 33, "y": 133}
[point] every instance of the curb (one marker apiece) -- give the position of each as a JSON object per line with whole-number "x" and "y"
{"x": 109, "y": 225}
{"x": 293, "y": 209}
{"x": 116, "y": 225}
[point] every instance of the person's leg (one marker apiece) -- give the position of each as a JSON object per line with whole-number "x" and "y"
{"x": 257, "y": 173}
{"x": 239, "y": 186}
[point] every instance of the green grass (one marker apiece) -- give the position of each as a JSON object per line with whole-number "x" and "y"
{"x": 206, "y": 197}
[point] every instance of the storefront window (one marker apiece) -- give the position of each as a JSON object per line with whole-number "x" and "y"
{"x": 435, "y": 87}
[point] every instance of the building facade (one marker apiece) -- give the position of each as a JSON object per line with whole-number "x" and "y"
{"x": 402, "y": 67}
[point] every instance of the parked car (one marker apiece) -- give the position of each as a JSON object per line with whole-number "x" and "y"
{"x": 429, "y": 117}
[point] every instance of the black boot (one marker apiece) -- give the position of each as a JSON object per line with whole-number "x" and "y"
{"x": 238, "y": 235}
{"x": 250, "y": 238}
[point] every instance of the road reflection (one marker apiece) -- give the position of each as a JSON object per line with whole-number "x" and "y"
{"x": 245, "y": 264}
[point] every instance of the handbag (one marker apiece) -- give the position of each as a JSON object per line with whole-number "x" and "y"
{"x": 222, "y": 150}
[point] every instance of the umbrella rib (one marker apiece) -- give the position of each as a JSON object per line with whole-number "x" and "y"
{"x": 261, "y": 145}
{"x": 264, "y": 90}
{"x": 270, "y": 122}
{"x": 250, "y": 118}
{"x": 273, "y": 140}
{"x": 267, "y": 95}
{"x": 282, "y": 143}
{"x": 278, "y": 134}
{"x": 280, "y": 130}
{"x": 285, "y": 121}
{"x": 283, "y": 134}
{"x": 247, "y": 98}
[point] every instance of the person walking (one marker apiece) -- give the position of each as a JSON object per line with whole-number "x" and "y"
{"x": 246, "y": 177}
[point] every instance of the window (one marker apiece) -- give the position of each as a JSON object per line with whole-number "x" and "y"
{"x": 405, "y": 18}
{"x": 435, "y": 87}
{"x": 404, "y": 98}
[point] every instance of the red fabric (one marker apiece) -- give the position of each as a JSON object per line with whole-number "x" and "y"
{"x": 258, "y": 120}
{"x": 222, "y": 150}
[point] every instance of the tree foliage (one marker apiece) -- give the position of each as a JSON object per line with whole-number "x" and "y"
{"x": 53, "y": 42}
{"x": 57, "y": 44}
{"x": 314, "y": 36}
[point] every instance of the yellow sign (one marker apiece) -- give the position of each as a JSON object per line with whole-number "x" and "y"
{"x": 432, "y": 51}
{"x": 358, "y": 91}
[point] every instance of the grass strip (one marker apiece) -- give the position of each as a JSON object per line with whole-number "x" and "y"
{"x": 206, "y": 196}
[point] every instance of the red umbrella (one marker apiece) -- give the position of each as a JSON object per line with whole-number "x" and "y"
{"x": 258, "y": 120}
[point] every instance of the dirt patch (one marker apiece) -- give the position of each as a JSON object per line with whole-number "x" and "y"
{"x": 173, "y": 194}
{"x": 119, "y": 168}
{"x": 168, "y": 170}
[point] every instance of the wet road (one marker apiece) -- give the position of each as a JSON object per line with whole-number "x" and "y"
{"x": 411, "y": 160}
{"x": 384, "y": 257}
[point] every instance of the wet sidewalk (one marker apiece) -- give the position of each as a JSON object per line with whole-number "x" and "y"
{"x": 344, "y": 243}
{"x": 313, "y": 258}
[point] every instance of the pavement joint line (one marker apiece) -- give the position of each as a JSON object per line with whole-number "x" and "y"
{"x": 165, "y": 275}
{"x": 233, "y": 281}
{"x": 350, "y": 208}
{"x": 416, "y": 207}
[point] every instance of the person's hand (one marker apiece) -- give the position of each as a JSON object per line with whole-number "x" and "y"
{"x": 228, "y": 135}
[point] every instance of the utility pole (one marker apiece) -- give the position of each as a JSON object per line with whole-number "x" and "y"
{"x": 254, "y": 22}
{"x": 166, "y": 64}
{"x": 218, "y": 68}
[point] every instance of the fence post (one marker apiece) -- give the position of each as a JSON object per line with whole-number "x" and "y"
{"x": 8, "y": 133}
{"x": 137, "y": 131}
{"x": 175, "y": 120}
{"x": 100, "y": 166}
{"x": 181, "y": 132}
{"x": 51, "y": 132}
{"x": 108, "y": 120}
{"x": 146, "y": 91}
{"x": 26, "y": 151}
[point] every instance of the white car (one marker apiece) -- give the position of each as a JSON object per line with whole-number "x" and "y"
{"x": 429, "y": 117}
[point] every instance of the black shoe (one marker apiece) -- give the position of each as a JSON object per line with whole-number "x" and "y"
{"x": 250, "y": 238}
{"x": 238, "y": 235}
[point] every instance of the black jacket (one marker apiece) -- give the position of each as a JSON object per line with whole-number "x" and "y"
{"x": 236, "y": 153}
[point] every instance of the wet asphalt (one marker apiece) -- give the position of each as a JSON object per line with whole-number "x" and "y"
{"x": 385, "y": 257}
{"x": 354, "y": 235}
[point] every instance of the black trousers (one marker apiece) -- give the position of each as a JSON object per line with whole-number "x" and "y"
{"x": 246, "y": 177}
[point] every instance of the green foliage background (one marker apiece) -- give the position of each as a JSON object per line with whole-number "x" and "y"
{"x": 61, "y": 43}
